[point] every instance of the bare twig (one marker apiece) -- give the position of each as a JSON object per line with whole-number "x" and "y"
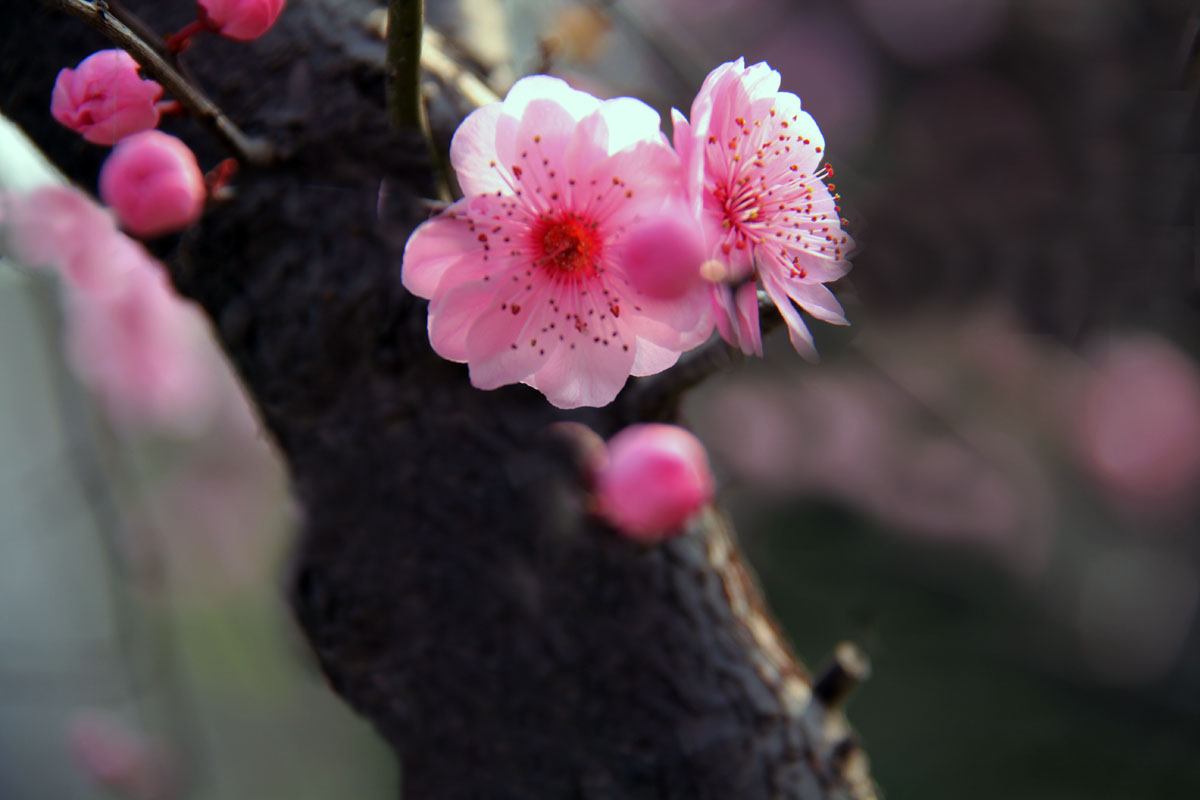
{"x": 849, "y": 667}
{"x": 657, "y": 397}
{"x": 438, "y": 62}
{"x": 250, "y": 151}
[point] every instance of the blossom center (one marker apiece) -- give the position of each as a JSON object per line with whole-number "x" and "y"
{"x": 742, "y": 208}
{"x": 569, "y": 245}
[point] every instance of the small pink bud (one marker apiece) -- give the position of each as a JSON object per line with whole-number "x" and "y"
{"x": 657, "y": 477}
{"x": 153, "y": 183}
{"x": 103, "y": 99}
{"x": 241, "y": 19}
{"x": 664, "y": 253}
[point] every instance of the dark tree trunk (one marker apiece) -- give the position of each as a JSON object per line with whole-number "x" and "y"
{"x": 448, "y": 577}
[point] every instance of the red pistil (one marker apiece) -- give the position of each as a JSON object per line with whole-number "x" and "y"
{"x": 569, "y": 246}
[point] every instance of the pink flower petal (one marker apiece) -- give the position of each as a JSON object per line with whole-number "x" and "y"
{"x": 452, "y": 314}
{"x": 817, "y": 300}
{"x": 570, "y": 382}
{"x": 474, "y": 155}
{"x": 508, "y": 346}
{"x": 435, "y": 247}
{"x": 798, "y": 332}
{"x": 652, "y": 359}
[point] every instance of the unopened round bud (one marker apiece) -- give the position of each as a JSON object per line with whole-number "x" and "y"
{"x": 656, "y": 478}
{"x": 153, "y": 183}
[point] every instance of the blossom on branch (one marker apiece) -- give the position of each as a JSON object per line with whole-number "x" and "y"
{"x": 525, "y": 274}
{"x": 103, "y": 98}
{"x": 153, "y": 183}
{"x": 752, "y": 164}
{"x": 656, "y": 477}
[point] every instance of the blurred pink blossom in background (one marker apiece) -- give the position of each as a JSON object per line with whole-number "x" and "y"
{"x": 60, "y": 228}
{"x": 104, "y": 99}
{"x": 142, "y": 350}
{"x": 1136, "y": 424}
{"x": 153, "y": 183}
{"x": 656, "y": 478}
{"x": 118, "y": 758}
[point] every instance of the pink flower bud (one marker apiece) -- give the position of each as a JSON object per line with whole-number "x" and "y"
{"x": 103, "y": 99}
{"x": 241, "y": 19}
{"x": 657, "y": 477}
{"x": 153, "y": 183}
{"x": 664, "y": 253}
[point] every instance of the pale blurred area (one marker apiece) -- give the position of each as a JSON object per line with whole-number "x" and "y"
{"x": 991, "y": 481}
{"x": 147, "y": 652}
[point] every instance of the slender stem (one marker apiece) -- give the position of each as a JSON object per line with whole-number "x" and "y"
{"x": 406, "y": 107}
{"x": 255, "y": 152}
{"x": 405, "y": 22}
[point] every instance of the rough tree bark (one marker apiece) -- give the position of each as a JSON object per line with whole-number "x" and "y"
{"x": 448, "y": 578}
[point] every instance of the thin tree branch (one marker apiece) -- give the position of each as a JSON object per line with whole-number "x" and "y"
{"x": 438, "y": 62}
{"x": 250, "y": 151}
{"x": 406, "y": 106}
{"x": 404, "y": 23}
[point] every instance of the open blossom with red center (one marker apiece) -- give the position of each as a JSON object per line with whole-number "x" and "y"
{"x": 104, "y": 99}
{"x": 525, "y": 274}
{"x": 752, "y": 163}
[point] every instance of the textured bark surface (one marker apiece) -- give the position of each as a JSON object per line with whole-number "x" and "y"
{"x": 448, "y": 578}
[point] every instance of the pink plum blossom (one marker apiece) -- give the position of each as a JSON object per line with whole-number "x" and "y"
{"x": 60, "y": 228}
{"x": 104, "y": 99}
{"x": 751, "y": 159}
{"x": 656, "y": 478}
{"x": 241, "y": 19}
{"x": 525, "y": 274}
{"x": 142, "y": 350}
{"x": 153, "y": 183}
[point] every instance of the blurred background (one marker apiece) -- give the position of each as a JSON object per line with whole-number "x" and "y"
{"x": 991, "y": 482}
